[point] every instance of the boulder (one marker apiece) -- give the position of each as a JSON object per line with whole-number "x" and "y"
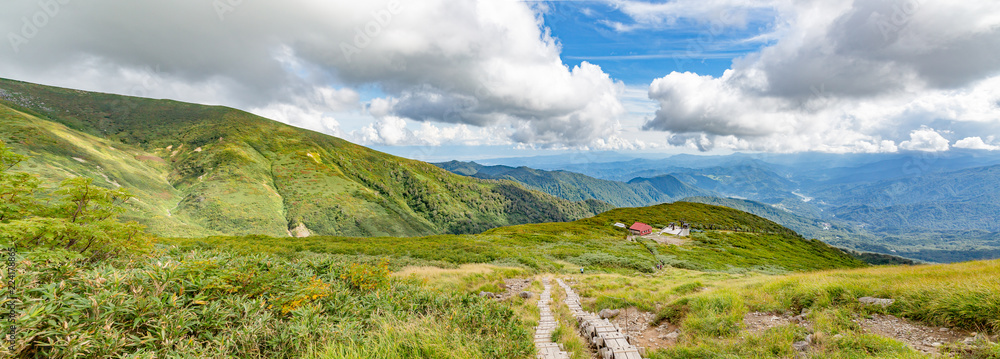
{"x": 876, "y": 301}
{"x": 487, "y": 294}
{"x": 608, "y": 313}
{"x": 800, "y": 346}
{"x": 525, "y": 295}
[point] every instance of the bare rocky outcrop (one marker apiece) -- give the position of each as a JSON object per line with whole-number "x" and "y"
{"x": 876, "y": 301}
{"x": 300, "y": 231}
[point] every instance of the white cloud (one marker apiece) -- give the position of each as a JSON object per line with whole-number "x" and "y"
{"x": 302, "y": 117}
{"x": 482, "y": 63}
{"x": 396, "y": 131}
{"x": 976, "y": 143}
{"x": 840, "y": 78}
{"x": 927, "y": 140}
{"x": 718, "y": 13}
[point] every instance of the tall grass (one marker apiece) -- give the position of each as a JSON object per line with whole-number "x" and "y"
{"x": 710, "y": 307}
{"x": 965, "y": 295}
{"x": 206, "y": 303}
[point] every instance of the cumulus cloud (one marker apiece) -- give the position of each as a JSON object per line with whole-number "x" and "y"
{"x": 396, "y": 131}
{"x": 843, "y": 77}
{"x": 926, "y": 139}
{"x": 481, "y": 63}
{"x": 977, "y": 143}
{"x": 719, "y": 13}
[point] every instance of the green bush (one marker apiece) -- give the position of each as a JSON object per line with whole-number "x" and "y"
{"x": 206, "y": 303}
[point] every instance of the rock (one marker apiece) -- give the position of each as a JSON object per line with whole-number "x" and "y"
{"x": 800, "y": 346}
{"x": 935, "y": 344}
{"x": 876, "y": 301}
{"x": 672, "y": 336}
{"x": 608, "y": 313}
{"x": 838, "y": 336}
{"x": 943, "y": 330}
{"x": 809, "y": 339}
{"x": 526, "y": 295}
{"x": 487, "y": 294}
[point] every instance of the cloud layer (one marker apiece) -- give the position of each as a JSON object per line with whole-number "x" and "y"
{"x": 833, "y": 76}
{"x": 486, "y": 63}
{"x": 846, "y": 77}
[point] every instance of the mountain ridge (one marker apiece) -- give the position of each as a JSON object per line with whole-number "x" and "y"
{"x": 211, "y": 170}
{"x": 577, "y": 187}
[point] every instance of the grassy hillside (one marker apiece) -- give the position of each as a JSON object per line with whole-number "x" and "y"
{"x": 756, "y": 244}
{"x": 207, "y": 170}
{"x": 340, "y": 297}
{"x": 578, "y": 187}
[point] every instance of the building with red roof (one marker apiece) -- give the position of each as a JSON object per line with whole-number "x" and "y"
{"x": 640, "y": 229}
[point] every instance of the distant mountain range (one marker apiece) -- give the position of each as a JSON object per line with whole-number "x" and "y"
{"x": 577, "y": 187}
{"x": 928, "y": 206}
{"x": 208, "y": 170}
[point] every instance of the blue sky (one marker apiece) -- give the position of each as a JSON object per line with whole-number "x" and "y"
{"x": 441, "y": 79}
{"x": 639, "y": 56}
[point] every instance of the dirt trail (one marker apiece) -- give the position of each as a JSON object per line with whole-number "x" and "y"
{"x": 920, "y": 337}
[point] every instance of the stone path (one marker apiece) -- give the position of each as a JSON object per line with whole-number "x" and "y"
{"x": 546, "y": 325}
{"x": 600, "y": 333}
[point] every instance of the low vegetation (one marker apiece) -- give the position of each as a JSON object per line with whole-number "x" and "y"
{"x": 710, "y": 308}
{"x": 90, "y": 283}
{"x": 207, "y": 303}
{"x": 208, "y": 170}
{"x": 591, "y": 243}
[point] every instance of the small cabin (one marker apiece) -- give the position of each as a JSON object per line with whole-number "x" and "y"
{"x": 640, "y": 229}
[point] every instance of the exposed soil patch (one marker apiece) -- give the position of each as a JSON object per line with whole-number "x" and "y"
{"x": 638, "y": 325}
{"x": 149, "y": 158}
{"x": 919, "y": 337}
{"x": 756, "y": 322}
{"x": 514, "y": 287}
{"x": 666, "y": 239}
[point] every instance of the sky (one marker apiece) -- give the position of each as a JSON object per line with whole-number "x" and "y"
{"x": 437, "y": 79}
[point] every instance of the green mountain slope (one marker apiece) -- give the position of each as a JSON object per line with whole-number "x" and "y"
{"x": 208, "y": 170}
{"x": 578, "y": 187}
{"x": 593, "y": 243}
{"x": 809, "y": 227}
